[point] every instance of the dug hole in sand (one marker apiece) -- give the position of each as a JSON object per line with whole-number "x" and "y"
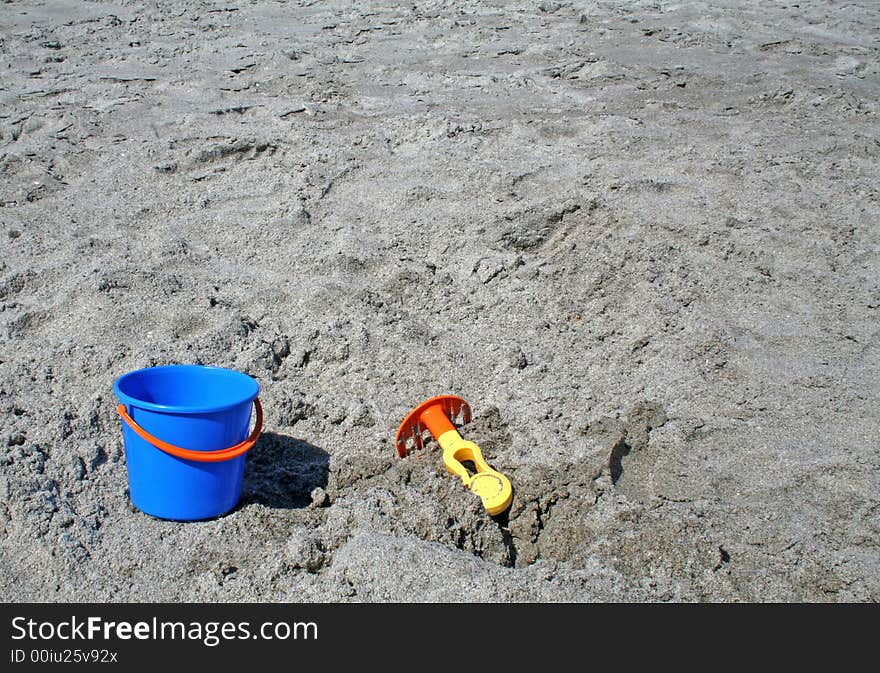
{"x": 639, "y": 238}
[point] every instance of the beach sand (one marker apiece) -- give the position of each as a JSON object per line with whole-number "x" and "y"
{"x": 640, "y": 238}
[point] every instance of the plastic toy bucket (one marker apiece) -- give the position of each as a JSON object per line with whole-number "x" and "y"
{"x": 185, "y": 429}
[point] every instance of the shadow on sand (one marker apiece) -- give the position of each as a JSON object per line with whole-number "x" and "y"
{"x": 282, "y": 471}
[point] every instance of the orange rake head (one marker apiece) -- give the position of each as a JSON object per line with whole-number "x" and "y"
{"x": 429, "y": 417}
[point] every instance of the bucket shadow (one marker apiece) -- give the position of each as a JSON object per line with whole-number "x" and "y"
{"x": 282, "y": 471}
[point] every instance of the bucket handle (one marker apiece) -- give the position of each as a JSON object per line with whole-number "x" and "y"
{"x": 200, "y": 456}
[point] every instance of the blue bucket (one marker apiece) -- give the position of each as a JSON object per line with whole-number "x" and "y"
{"x": 185, "y": 429}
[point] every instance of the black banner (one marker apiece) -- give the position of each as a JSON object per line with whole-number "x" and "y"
{"x": 227, "y": 635}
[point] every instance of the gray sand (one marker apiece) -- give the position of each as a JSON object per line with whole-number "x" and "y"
{"x": 640, "y": 238}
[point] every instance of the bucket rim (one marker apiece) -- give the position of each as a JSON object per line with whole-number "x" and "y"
{"x": 128, "y": 400}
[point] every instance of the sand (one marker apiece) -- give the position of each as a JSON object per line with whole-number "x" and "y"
{"x": 640, "y": 238}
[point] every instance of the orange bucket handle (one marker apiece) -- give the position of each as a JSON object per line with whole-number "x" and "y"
{"x": 200, "y": 456}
